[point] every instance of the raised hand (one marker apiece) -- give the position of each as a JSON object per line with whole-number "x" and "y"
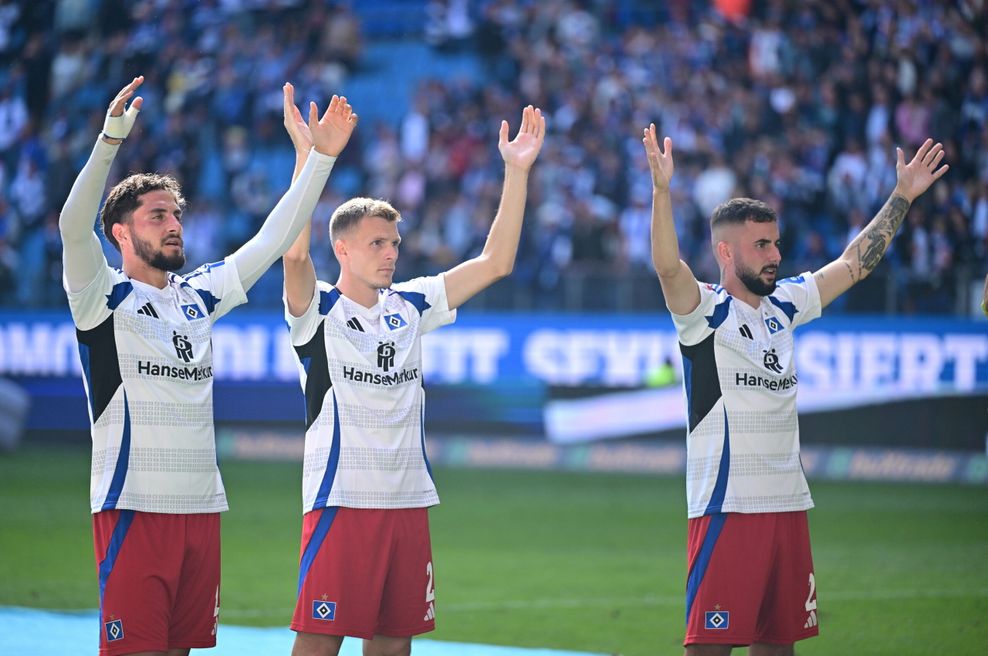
{"x": 659, "y": 162}
{"x": 296, "y": 126}
{"x": 331, "y": 133}
{"x": 521, "y": 151}
{"x": 914, "y": 178}
{"x": 118, "y": 122}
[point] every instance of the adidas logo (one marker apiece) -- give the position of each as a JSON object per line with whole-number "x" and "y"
{"x": 431, "y": 613}
{"x": 746, "y": 331}
{"x": 148, "y": 310}
{"x": 811, "y": 621}
{"x": 353, "y": 323}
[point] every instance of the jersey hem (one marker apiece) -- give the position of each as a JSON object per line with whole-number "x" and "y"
{"x": 312, "y": 508}
{"x": 727, "y": 511}
{"x": 98, "y": 509}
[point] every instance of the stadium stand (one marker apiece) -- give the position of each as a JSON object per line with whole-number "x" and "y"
{"x": 797, "y": 103}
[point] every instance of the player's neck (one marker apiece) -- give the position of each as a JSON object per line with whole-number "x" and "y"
{"x": 738, "y": 290}
{"x": 357, "y": 292}
{"x": 143, "y": 272}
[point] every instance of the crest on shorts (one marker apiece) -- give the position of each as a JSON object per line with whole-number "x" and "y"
{"x": 323, "y": 610}
{"x": 716, "y": 619}
{"x": 114, "y": 630}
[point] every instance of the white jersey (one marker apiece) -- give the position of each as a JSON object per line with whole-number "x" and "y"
{"x": 148, "y": 371}
{"x": 361, "y": 373}
{"x": 740, "y": 382}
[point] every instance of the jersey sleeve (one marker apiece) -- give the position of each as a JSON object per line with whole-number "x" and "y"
{"x": 428, "y": 295}
{"x": 694, "y": 327}
{"x": 302, "y": 329}
{"x": 91, "y": 305}
{"x": 799, "y": 298}
{"x": 82, "y": 254}
{"x": 218, "y": 285}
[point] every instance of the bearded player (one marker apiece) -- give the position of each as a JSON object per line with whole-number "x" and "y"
{"x": 750, "y": 579}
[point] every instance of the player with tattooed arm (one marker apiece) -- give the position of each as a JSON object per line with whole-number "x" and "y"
{"x": 750, "y": 572}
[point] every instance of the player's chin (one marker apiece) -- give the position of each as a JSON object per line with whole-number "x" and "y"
{"x": 176, "y": 262}
{"x": 167, "y": 261}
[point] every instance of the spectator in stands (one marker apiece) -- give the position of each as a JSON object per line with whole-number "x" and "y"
{"x": 764, "y": 95}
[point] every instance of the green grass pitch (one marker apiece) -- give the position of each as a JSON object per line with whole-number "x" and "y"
{"x": 591, "y": 562}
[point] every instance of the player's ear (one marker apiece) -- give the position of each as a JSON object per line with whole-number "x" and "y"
{"x": 339, "y": 248}
{"x": 119, "y": 233}
{"x": 723, "y": 251}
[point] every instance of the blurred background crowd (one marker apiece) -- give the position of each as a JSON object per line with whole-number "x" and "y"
{"x": 798, "y": 103}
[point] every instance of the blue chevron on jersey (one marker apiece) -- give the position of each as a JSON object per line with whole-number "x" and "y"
{"x": 119, "y": 292}
{"x": 786, "y": 306}
{"x": 720, "y": 313}
{"x": 208, "y": 300}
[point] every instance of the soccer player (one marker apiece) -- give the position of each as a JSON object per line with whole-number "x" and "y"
{"x": 144, "y": 340}
{"x": 750, "y": 578}
{"x": 366, "y": 559}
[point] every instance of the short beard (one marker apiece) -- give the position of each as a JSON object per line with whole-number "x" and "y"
{"x": 754, "y": 284}
{"x": 157, "y": 259}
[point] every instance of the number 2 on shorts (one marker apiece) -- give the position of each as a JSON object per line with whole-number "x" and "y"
{"x": 810, "y": 598}
{"x": 430, "y": 588}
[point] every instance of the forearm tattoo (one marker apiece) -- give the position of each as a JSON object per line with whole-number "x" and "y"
{"x": 850, "y": 271}
{"x": 868, "y": 248}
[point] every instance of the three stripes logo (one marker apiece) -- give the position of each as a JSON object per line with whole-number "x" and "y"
{"x": 430, "y": 613}
{"x": 746, "y": 331}
{"x": 355, "y": 325}
{"x": 811, "y": 621}
{"x": 148, "y": 310}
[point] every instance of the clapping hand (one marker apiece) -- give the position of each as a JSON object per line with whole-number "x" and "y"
{"x": 659, "y": 161}
{"x": 118, "y": 123}
{"x": 521, "y": 151}
{"x": 328, "y": 134}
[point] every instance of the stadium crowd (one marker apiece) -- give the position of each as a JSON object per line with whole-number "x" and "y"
{"x": 800, "y": 104}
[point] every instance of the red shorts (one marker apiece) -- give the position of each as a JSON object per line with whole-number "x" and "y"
{"x": 365, "y": 572}
{"x": 750, "y": 579}
{"x": 159, "y": 580}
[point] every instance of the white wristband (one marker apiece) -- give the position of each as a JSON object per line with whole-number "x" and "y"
{"x": 118, "y": 127}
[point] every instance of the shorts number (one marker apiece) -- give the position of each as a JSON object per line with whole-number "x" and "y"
{"x": 430, "y": 588}
{"x": 811, "y": 598}
{"x": 216, "y": 611}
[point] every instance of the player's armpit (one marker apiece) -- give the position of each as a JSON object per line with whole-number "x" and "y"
{"x": 300, "y": 284}
{"x": 680, "y": 290}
